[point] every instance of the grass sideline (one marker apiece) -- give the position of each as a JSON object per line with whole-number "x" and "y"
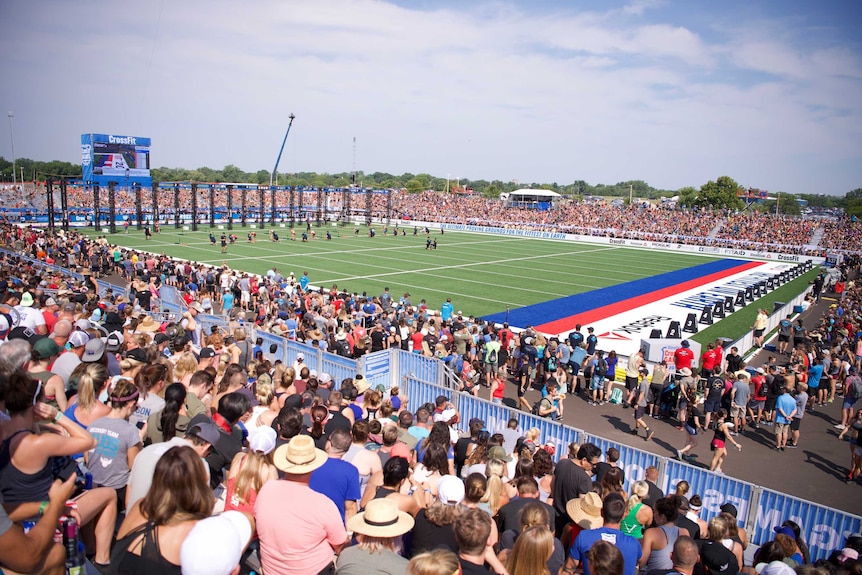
{"x": 482, "y": 273}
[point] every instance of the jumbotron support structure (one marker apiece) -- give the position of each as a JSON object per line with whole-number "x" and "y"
{"x": 194, "y": 207}
{"x": 388, "y": 205}
{"x": 97, "y": 208}
{"x": 139, "y": 213}
{"x": 112, "y": 208}
{"x": 157, "y": 215}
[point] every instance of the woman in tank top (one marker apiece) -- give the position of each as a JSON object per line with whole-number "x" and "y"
{"x": 637, "y": 515}
{"x": 658, "y": 542}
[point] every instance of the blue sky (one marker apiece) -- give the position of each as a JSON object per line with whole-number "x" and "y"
{"x": 674, "y": 93}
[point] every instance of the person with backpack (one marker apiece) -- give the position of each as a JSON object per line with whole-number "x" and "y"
{"x": 491, "y": 358}
{"x": 597, "y": 382}
{"x": 852, "y": 394}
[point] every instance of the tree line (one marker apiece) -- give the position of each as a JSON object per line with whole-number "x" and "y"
{"x": 718, "y": 194}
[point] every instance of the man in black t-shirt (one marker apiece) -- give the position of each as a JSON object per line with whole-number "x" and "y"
{"x": 714, "y": 391}
{"x": 572, "y": 478}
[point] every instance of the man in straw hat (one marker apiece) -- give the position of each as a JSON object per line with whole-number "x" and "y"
{"x": 300, "y": 530}
{"x": 377, "y": 530}
{"x": 585, "y": 512}
{"x": 613, "y": 510}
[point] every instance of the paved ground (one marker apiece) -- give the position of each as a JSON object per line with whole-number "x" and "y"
{"x": 815, "y": 471}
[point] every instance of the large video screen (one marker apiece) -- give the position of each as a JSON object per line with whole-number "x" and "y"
{"x": 121, "y": 159}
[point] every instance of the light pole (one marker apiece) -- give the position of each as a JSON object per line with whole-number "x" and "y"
{"x": 12, "y": 136}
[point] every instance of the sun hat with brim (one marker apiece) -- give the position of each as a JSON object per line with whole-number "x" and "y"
{"x": 381, "y": 518}
{"x": 299, "y": 456}
{"x": 27, "y": 299}
{"x": 362, "y": 385}
{"x": 586, "y": 510}
{"x": 685, "y": 372}
{"x": 148, "y": 324}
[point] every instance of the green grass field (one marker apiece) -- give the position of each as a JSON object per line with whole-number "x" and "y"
{"x": 482, "y": 273}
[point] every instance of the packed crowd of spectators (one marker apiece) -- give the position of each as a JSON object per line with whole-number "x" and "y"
{"x": 641, "y": 221}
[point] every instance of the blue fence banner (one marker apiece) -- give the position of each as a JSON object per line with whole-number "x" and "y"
{"x": 714, "y": 490}
{"x": 338, "y": 367}
{"x": 418, "y": 367}
{"x": 420, "y": 393}
{"x": 633, "y": 461}
{"x": 823, "y": 528}
{"x": 550, "y": 432}
{"x": 377, "y": 368}
{"x": 495, "y": 416}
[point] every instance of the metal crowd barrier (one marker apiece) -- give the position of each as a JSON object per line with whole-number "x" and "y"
{"x": 760, "y": 509}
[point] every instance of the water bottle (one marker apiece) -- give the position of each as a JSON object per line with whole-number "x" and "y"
{"x": 74, "y": 556}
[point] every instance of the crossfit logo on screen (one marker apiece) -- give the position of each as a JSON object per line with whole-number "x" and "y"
{"x": 122, "y": 140}
{"x": 85, "y": 154}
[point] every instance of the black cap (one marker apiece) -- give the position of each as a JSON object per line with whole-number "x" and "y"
{"x": 716, "y": 557}
{"x": 730, "y": 509}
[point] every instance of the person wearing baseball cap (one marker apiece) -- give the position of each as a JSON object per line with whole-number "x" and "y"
{"x": 66, "y": 363}
{"x": 290, "y": 501}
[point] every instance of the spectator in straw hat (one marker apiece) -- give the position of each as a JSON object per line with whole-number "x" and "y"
{"x": 316, "y": 532}
{"x": 378, "y": 532}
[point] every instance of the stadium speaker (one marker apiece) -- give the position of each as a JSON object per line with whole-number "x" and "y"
{"x": 690, "y": 325}
{"x": 728, "y": 304}
{"x": 740, "y": 299}
{"x": 777, "y": 306}
{"x": 718, "y": 310}
{"x": 673, "y": 330}
{"x": 749, "y": 294}
{"x": 655, "y": 334}
{"x": 706, "y": 315}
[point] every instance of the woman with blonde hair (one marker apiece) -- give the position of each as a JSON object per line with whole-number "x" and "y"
{"x": 184, "y": 368}
{"x": 638, "y": 515}
{"x": 264, "y": 414}
{"x": 132, "y": 363}
{"x": 532, "y": 515}
{"x": 436, "y": 562}
{"x": 719, "y": 552}
{"x": 531, "y": 552}
{"x": 286, "y": 387}
{"x": 249, "y": 471}
{"x": 682, "y": 488}
{"x": 90, "y": 380}
{"x": 497, "y": 493}
{"x": 150, "y": 537}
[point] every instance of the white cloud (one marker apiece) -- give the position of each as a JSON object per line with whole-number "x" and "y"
{"x": 492, "y": 91}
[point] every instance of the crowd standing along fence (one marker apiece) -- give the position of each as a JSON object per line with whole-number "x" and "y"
{"x": 424, "y": 379}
